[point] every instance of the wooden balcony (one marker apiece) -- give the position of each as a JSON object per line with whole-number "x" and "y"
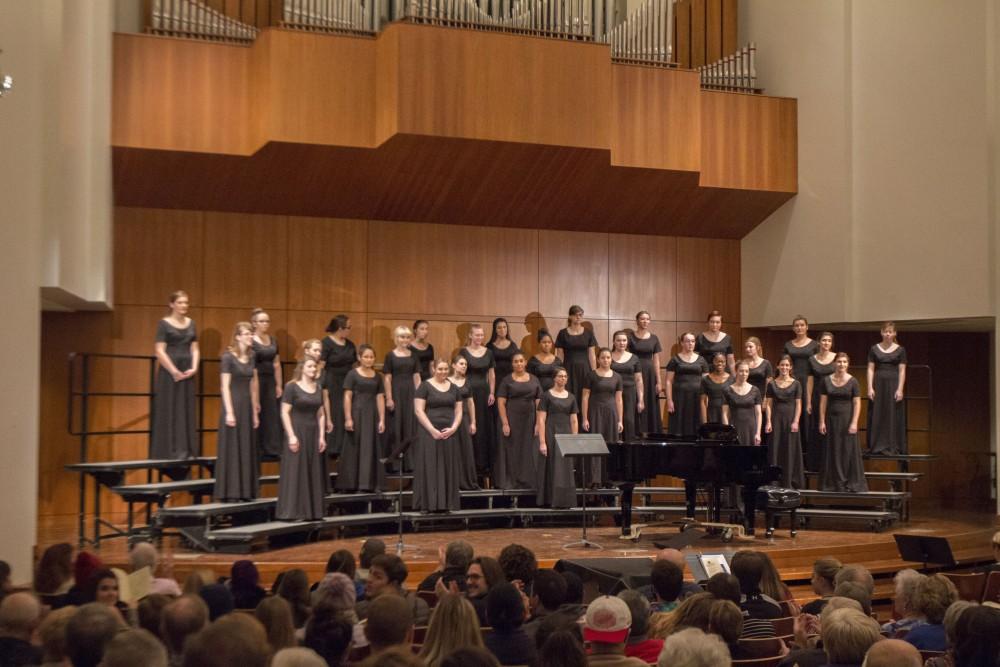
{"x": 444, "y": 125}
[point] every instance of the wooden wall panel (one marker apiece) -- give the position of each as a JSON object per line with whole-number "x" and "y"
{"x": 159, "y": 253}
{"x": 642, "y": 276}
{"x": 327, "y": 264}
{"x": 667, "y": 140}
{"x": 730, "y": 26}
{"x": 749, "y": 141}
{"x": 713, "y": 31}
{"x": 573, "y": 269}
{"x": 698, "y": 36}
{"x": 452, "y": 269}
{"x": 246, "y": 260}
{"x": 708, "y": 278}
{"x": 682, "y": 33}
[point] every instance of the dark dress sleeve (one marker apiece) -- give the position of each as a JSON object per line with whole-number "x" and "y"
{"x": 561, "y": 339}
{"x": 704, "y": 365}
{"x": 855, "y": 388}
{"x": 422, "y": 391}
{"x": 493, "y": 362}
{"x": 618, "y": 382}
{"x": 543, "y": 405}
{"x": 756, "y": 395}
{"x": 456, "y": 395}
{"x": 161, "y": 332}
{"x": 768, "y": 369}
{"x": 503, "y": 391}
{"x": 288, "y": 395}
{"x": 574, "y": 408}
{"x": 824, "y": 388}
{"x": 194, "y": 333}
{"x": 656, "y": 344}
{"x": 351, "y": 380}
{"x": 729, "y": 344}
{"x": 380, "y": 385}
{"x": 798, "y": 389}
{"x": 533, "y": 366}
{"x": 672, "y": 365}
{"x": 325, "y": 349}
{"x": 591, "y": 339}
{"x": 228, "y": 363}
{"x": 537, "y": 388}
{"x": 387, "y": 365}
{"x": 902, "y": 354}
{"x": 872, "y": 359}
{"x": 769, "y": 390}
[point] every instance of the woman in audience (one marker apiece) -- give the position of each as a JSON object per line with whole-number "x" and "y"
{"x": 693, "y": 612}
{"x": 198, "y": 579}
{"x": 931, "y": 599}
{"x": 84, "y": 567}
{"x": 244, "y": 584}
{"x": 236, "y": 468}
{"x": 103, "y": 589}
{"x": 772, "y": 586}
{"x": 453, "y": 626}
{"x": 468, "y": 657}
{"x": 294, "y": 588}
{"x": 839, "y": 408}
{"x": 336, "y": 596}
{"x": 275, "y": 614}
{"x": 950, "y": 632}
{"x": 977, "y": 633}
{"x": 303, "y": 480}
{"x": 726, "y": 620}
{"x": 824, "y": 571}
{"x": 904, "y": 613}
{"x": 54, "y": 575}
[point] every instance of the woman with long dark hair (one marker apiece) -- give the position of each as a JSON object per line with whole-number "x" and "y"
{"x": 644, "y": 344}
{"x": 268, "y": 364}
{"x": 839, "y": 407}
{"x": 360, "y": 467}
{"x": 339, "y": 357}
{"x": 423, "y": 349}
{"x": 174, "y": 430}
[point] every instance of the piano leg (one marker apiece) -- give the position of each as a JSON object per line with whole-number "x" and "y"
{"x": 691, "y": 497}
{"x": 749, "y": 508}
{"x": 626, "y": 508}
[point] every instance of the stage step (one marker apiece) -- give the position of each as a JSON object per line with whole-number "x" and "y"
{"x": 877, "y": 519}
{"x": 881, "y": 476}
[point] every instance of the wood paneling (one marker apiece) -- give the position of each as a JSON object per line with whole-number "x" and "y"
{"x": 642, "y": 276}
{"x": 749, "y": 141}
{"x": 159, "y": 253}
{"x": 708, "y": 278}
{"x": 682, "y": 33}
{"x": 573, "y": 269}
{"x": 327, "y": 264}
{"x": 730, "y": 26}
{"x": 698, "y": 36}
{"x": 246, "y": 260}
{"x": 668, "y": 140}
{"x": 452, "y": 270}
{"x": 713, "y": 31}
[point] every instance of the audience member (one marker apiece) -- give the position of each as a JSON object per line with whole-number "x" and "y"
{"x": 395, "y": 657}
{"x": 150, "y": 612}
{"x": 993, "y": 567}
{"x": 725, "y": 619}
{"x": 103, "y": 588}
{"x": 847, "y": 636}
{"x": 667, "y": 581}
{"x": 807, "y": 631}
{"x": 977, "y": 633}
{"x": 950, "y": 622}
{"x": 336, "y": 594}
{"x": 773, "y": 587}
{"x": 244, "y": 584}
{"x": 724, "y": 586}
{"x": 606, "y": 628}
{"x": 182, "y": 618}
{"x": 144, "y": 554}
{"x": 369, "y": 549}
{"x": 389, "y": 624}
{"x": 297, "y": 657}
{"x": 134, "y": 648}
{"x": 342, "y": 561}
{"x": 692, "y": 612}
{"x": 693, "y": 648}
{"x": 219, "y": 600}
{"x": 386, "y": 577}
{"x": 893, "y": 653}
{"x": 824, "y": 571}
{"x": 452, "y": 568}
{"x": 857, "y": 574}
{"x": 235, "y": 640}
{"x": 294, "y": 588}
{"x": 857, "y": 592}
{"x": 674, "y": 556}
{"x": 518, "y": 564}
{"x": 54, "y": 575}
{"x": 748, "y": 568}
{"x": 329, "y": 635}
{"x": 20, "y": 614}
{"x": 483, "y": 574}
{"x": 6, "y": 587}
{"x": 453, "y": 626}
{"x": 505, "y": 613}
{"x": 639, "y": 644}
{"x": 904, "y": 616}
{"x": 548, "y": 595}
{"x": 470, "y": 657}
{"x": 88, "y": 632}
{"x": 562, "y": 648}
{"x": 84, "y": 567}
{"x": 931, "y": 599}
{"x": 275, "y": 614}
{"x": 198, "y": 579}
{"x": 52, "y": 635}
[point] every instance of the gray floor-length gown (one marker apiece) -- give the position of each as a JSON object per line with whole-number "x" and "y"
{"x": 650, "y": 420}
{"x": 886, "y": 415}
{"x": 686, "y": 393}
{"x": 602, "y": 413}
{"x": 401, "y": 423}
{"x": 785, "y": 447}
{"x": 742, "y": 415}
{"x": 237, "y": 472}
{"x": 270, "y": 437}
{"x": 437, "y": 463}
{"x": 632, "y": 419}
{"x": 174, "y": 431}
{"x": 843, "y": 469}
{"x": 556, "y": 486}
{"x": 360, "y": 467}
{"x": 302, "y": 484}
{"x": 519, "y": 458}
{"x": 716, "y": 396}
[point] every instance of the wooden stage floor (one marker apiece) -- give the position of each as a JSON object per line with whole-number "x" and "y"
{"x": 968, "y": 532}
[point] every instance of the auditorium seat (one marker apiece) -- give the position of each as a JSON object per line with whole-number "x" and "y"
{"x": 419, "y": 633}
{"x": 430, "y": 597}
{"x": 970, "y": 586}
{"x": 784, "y": 627}
{"x": 762, "y": 648}
{"x": 771, "y": 661}
{"x": 992, "y": 591}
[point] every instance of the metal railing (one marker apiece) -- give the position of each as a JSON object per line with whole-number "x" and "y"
{"x": 736, "y": 72}
{"x": 191, "y": 18}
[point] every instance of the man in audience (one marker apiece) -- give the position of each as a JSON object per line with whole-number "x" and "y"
{"x": 88, "y": 632}
{"x": 667, "y": 584}
{"x": 607, "y": 628}
{"x": 639, "y": 644}
{"x": 386, "y": 577}
{"x": 143, "y": 554}
{"x": 505, "y": 613}
{"x": 518, "y": 564}
{"x": 855, "y": 591}
{"x": 857, "y": 574}
{"x": 389, "y": 623}
{"x": 134, "y": 648}
{"x": 893, "y": 653}
{"x": 235, "y": 640}
{"x": 150, "y": 612}
{"x": 693, "y": 648}
{"x": 573, "y": 607}
{"x": 20, "y": 614}
{"x": 372, "y": 547}
{"x": 453, "y": 565}
{"x": 182, "y": 618}
{"x": 674, "y": 556}
{"x": 847, "y": 636}
{"x": 483, "y": 574}
{"x": 547, "y": 595}
{"x": 219, "y": 600}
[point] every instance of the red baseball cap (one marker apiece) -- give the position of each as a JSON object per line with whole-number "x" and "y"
{"x": 608, "y": 621}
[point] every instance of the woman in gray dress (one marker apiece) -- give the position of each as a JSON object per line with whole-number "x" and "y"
{"x": 644, "y": 344}
{"x": 742, "y": 408}
{"x": 467, "y": 455}
{"x": 436, "y": 459}
{"x": 821, "y": 365}
{"x": 517, "y": 403}
{"x": 174, "y": 429}
{"x": 887, "y": 406}
{"x": 360, "y": 467}
{"x": 629, "y": 367}
{"x": 237, "y": 475}
{"x": 839, "y": 407}
{"x": 602, "y": 409}
{"x": 544, "y": 364}
{"x": 713, "y": 386}
{"x": 401, "y": 377}
{"x": 782, "y": 405}
{"x": 557, "y": 413}
{"x": 714, "y": 340}
{"x": 339, "y": 357}
{"x": 265, "y": 355}
{"x": 302, "y": 484}
{"x": 800, "y": 350}
{"x": 684, "y": 373}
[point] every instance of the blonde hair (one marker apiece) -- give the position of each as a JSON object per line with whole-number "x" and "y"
{"x": 254, "y": 314}
{"x": 234, "y": 344}
{"x": 177, "y": 294}
{"x": 401, "y": 331}
{"x": 472, "y": 327}
{"x": 300, "y": 367}
{"x": 309, "y": 343}
{"x": 755, "y": 341}
{"x": 453, "y": 625}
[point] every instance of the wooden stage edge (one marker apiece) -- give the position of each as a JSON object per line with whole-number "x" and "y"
{"x": 968, "y": 532}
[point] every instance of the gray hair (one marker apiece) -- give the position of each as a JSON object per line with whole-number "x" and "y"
{"x": 134, "y": 647}
{"x": 856, "y": 574}
{"x": 638, "y": 606}
{"x": 693, "y": 648}
{"x": 297, "y": 657}
{"x": 458, "y": 554}
{"x": 906, "y": 584}
{"x": 143, "y": 554}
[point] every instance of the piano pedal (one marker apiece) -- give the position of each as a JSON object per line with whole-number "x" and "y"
{"x": 634, "y": 533}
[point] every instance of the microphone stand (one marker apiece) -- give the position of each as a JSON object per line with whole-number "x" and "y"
{"x": 397, "y": 455}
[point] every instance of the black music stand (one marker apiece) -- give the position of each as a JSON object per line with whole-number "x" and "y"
{"x": 397, "y": 455}
{"x": 582, "y": 447}
{"x": 925, "y": 549}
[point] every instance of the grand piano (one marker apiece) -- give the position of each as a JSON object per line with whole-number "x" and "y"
{"x": 715, "y": 460}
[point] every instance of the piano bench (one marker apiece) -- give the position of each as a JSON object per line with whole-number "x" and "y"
{"x": 772, "y": 517}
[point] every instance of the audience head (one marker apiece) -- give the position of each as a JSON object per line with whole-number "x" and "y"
{"x": 387, "y": 573}
{"x": 847, "y": 635}
{"x": 143, "y": 554}
{"x": 748, "y": 568}
{"x": 20, "y": 614}
{"x": 453, "y": 625}
{"x": 468, "y": 657}
{"x": 389, "y": 623}
{"x": 54, "y": 568}
{"x": 608, "y": 622}
{"x": 667, "y": 580}
{"x": 951, "y": 620}
{"x": 574, "y": 588}
{"x": 52, "y": 634}
{"x": 549, "y": 590}
{"x": 905, "y": 585}
{"x": 518, "y": 564}
{"x": 483, "y": 574}
{"x": 554, "y": 623}
{"x": 849, "y": 589}
{"x": 770, "y": 581}
{"x": 198, "y": 579}
{"x": 857, "y": 574}
{"x": 692, "y": 647}
{"x": 692, "y": 612}
{"x": 275, "y": 614}
{"x": 337, "y": 590}
{"x": 893, "y": 653}
{"x": 342, "y": 560}
{"x": 372, "y": 547}
{"x": 294, "y": 588}
{"x": 219, "y": 600}
{"x": 458, "y": 555}
{"x": 725, "y": 619}
{"x": 932, "y": 597}
{"x": 824, "y": 571}
{"x": 977, "y": 632}
{"x": 134, "y": 648}
{"x": 836, "y": 602}
{"x": 150, "y": 612}
{"x": 244, "y": 575}
{"x": 638, "y": 608}
{"x": 504, "y": 607}
{"x": 185, "y": 616}
{"x": 724, "y": 586}
{"x": 673, "y": 555}
{"x": 394, "y": 657}
{"x": 297, "y": 657}
{"x": 562, "y": 648}
{"x": 84, "y": 567}
{"x": 234, "y": 639}
{"x": 88, "y": 631}
{"x": 102, "y": 587}
{"x": 330, "y": 636}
